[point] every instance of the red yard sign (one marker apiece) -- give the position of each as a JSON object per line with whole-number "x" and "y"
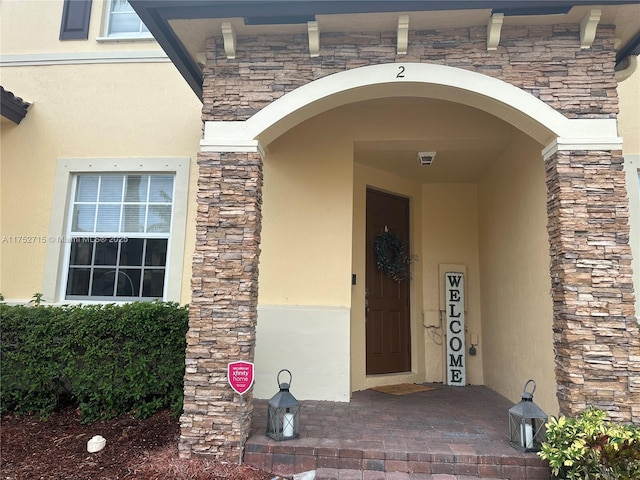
{"x": 240, "y": 376}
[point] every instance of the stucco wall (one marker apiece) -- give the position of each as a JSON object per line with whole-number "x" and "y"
{"x": 629, "y": 129}
{"x": 33, "y": 27}
{"x": 96, "y": 110}
{"x": 305, "y": 263}
{"x": 450, "y": 236}
{"x": 514, "y": 263}
{"x": 307, "y": 218}
{"x": 629, "y": 117}
{"x": 297, "y": 289}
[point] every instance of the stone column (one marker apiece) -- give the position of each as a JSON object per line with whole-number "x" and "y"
{"x": 596, "y": 334}
{"x": 223, "y": 310}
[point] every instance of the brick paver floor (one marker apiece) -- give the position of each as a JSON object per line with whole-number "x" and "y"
{"x": 441, "y": 434}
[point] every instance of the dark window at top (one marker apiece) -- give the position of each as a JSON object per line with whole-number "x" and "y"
{"x": 75, "y": 20}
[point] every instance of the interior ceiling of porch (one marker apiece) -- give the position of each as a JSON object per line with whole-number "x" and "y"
{"x": 461, "y": 160}
{"x": 466, "y": 142}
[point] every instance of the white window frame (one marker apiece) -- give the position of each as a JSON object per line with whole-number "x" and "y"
{"x": 115, "y": 237}
{"x": 57, "y": 260}
{"x": 120, "y": 36}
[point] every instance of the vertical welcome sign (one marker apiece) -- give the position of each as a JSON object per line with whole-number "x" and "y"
{"x": 456, "y": 358}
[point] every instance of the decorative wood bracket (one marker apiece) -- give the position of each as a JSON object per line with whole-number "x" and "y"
{"x": 314, "y": 39}
{"x": 229, "y": 37}
{"x": 588, "y": 28}
{"x": 494, "y": 28}
{"x": 403, "y": 34}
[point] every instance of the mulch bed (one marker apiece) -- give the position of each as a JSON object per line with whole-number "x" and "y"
{"x": 56, "y": 449}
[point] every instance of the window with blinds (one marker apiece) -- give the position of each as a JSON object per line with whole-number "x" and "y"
{"x": 123, "y": 21}
{"x": 119, "y": 231}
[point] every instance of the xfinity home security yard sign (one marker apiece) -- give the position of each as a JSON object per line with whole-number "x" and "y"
{"x": 454, "y": 291}
{"x": 240, "y": 376}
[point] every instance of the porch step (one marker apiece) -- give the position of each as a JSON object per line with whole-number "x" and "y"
{"x": 335, "y": 459}
{"x": 333, "y": 474}
{"x": 444, "y": 433}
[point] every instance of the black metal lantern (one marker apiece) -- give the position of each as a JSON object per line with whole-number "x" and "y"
{"x": 283, "y": 412}
{"x": 527, "y": 423}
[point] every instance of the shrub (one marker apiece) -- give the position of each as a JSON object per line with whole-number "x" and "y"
{"x": 590, "y": 447}
{"x": 107, "y": 359}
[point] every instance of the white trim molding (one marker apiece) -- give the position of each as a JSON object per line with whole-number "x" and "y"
{"x": 230, "y": 143}
{"x": 77, "y": 58}
{"x": 585, "y": 142}
{"x": 508, "y": 102}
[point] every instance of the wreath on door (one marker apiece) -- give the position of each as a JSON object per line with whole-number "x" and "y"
{"x": 392, "y": 257}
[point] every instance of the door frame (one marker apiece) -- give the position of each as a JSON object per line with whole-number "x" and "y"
{"x": 363, "y": 179}
{"x": 400, "y": 204}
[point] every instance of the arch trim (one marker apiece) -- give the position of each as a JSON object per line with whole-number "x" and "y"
{"x": 497, "y": 97}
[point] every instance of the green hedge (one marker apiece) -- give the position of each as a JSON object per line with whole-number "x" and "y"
{"x": 107, "y": 359}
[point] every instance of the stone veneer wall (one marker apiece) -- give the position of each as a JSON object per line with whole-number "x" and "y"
{"x": 545, "y": 61}
{"x": 595, "y": 333}
{"x": 223, "y": 309}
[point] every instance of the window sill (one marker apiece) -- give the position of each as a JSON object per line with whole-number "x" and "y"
{"x": 124, "y": 39}
{"x": 103, "y": 301}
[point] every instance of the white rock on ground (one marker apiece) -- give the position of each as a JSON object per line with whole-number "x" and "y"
{"x": 310, "y": 475}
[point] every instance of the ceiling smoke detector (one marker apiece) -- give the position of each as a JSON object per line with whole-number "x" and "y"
{"x": 426, "y": 158}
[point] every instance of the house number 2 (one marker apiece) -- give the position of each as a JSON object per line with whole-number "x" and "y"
{"x": 401, "y": 72}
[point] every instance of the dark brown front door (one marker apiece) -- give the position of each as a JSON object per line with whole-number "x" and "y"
{"x": 387, "y": 312}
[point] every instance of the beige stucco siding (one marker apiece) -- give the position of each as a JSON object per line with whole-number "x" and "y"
{"x": 629, "y": 129}
{"x": 92, "y": 112}
{"x": 92, "y": 99}
{"x": 306, "y": 236}
{"x": 33, "y": 27}
{"x": 517, "y": 311}
{"x": 629, "y": 116}
{"x": 450, "y": 237}
{"x": 305, "y": 263}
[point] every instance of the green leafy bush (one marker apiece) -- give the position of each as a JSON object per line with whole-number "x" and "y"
{"x": 591, "y": 447}
{"x": 107, "y": 359}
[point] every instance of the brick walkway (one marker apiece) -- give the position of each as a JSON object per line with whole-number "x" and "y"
{"x": 442, "y": 434}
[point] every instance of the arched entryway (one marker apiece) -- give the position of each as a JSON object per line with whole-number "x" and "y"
{"x": 319, "y": 336}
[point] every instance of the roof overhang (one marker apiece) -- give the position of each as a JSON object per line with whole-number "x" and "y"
{"x": 182, "y": 26}
{"x": 13, "y": 108}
